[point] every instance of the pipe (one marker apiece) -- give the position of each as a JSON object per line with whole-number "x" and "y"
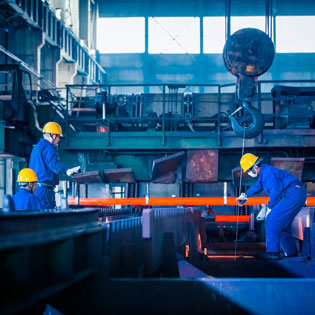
{"x": 268, "y": 18}
{"x": 174, "y": 201}
{"x": 227, "y": 19}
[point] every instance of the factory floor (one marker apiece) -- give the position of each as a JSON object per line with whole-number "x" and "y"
{"x": 220, "y": 284}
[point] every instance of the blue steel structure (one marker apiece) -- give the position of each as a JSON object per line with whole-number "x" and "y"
{"x": 168, "y": 120}
{"x": 38, "y": 15}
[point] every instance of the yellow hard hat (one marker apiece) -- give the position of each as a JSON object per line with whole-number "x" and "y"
{"x": 53, "y": 127}
{"x": 247, "y": 161}
{"x": 27, "y": 175}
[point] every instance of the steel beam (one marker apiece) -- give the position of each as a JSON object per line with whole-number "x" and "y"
{"x": 154, "y": 140}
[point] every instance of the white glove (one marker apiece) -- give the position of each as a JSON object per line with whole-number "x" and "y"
{"x": 241, "y": 199}
{"x": 268, "y": 211}
{"x": 74, "y": 170}
{"x": 263, "y": 213}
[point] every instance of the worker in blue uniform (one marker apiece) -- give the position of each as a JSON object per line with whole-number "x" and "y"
{"x": 45, "y": 162}
{"x": 25, "y": 199}
{"x": 287, "y": 197}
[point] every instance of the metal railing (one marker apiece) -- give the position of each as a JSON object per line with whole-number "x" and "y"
{"x": 190, "y": 109}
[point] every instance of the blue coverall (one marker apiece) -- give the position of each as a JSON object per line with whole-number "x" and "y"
{"x": 25, "y": 200}
{"x": 45, "y": 162}
{"x": 287, "y": 197}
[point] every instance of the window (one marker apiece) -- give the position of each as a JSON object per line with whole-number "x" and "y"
{"x": 213, "y": 35}
{"x": 174, "y": 35}
{"x": 120, "y": 35}
{"x": 295, "y": 34}
{"x": 214, "y": 30}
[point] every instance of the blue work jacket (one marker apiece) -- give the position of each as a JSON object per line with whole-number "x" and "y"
{"x": 45, "y": 162}
{"x": 25, "y": 200}
{"x": 273, "y": 181}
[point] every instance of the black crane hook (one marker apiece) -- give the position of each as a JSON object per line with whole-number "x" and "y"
{"x": 255, "y": 127}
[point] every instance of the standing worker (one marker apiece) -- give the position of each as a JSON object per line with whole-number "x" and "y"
{"x": 25, "y": 199}
{"x": 45, "y": 162}
{"x": 287, "y": 197}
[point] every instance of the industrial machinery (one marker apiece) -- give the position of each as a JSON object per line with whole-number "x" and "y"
{"x": 17, "y": 109}
{"x": 247, "y": 54}
{"x": 156, "y": 198}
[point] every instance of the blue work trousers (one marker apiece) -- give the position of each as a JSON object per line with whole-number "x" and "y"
{"x": 46, "y": 197}
{"x": 279, "y": 220}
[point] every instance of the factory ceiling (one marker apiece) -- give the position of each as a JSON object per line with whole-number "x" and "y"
{"x": 124, "y": 8}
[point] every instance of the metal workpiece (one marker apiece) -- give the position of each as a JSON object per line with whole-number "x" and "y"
{"x": 175, "y": 201}
{"x": 164, "y": 169}
{"x": 305, "y": 218}
{"x": 202, "y": 166}
{"x": 292, "y": 165}
{"x": 185, "y": 227}
{"x": 22, "y": 228}
{"x": 118, "y": 175}
{"x": 92, "y": 177}
{"x": 218, "y": 296}
{"x": 42, "y": 253}
{"x": 135, "y": 243}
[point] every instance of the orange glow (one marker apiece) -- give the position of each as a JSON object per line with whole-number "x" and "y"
{"x": 232, "y": 218}
{"x": 186, "y": 251}
{"x": 250, "y": 68}
{"x": 308, "y": 221}
{"x": 310, "y": 201}
{"x": 228, "y": 256}
{"x": 222, "y": 256}
{"x": 205, "y": 251}
{"x": 174, "y": 201}
{"x": 199, "y": 243}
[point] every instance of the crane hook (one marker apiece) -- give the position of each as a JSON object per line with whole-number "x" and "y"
{"x": 256, "y": 126}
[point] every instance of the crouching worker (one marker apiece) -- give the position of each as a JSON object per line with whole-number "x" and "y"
{"x": 45, "y": 162}
{"x": 287, "y": 197}
{"x": 25, "y": 199}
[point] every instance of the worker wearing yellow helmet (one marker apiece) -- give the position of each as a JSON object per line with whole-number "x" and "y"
{"x": 45, "y": 162}
{"x": 286, "y": 198}
{"x": 25, "y": 199}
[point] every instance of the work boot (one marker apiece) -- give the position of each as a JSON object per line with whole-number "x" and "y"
{"x": 269, "y": 256}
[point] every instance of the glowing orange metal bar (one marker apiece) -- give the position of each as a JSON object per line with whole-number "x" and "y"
{"x": 222, "y": 256}
{"x": 310, "y": 201}
{"x": 228, "y": 256}
{"x": 231, "y": 218}
{"x": 174, "y": 201}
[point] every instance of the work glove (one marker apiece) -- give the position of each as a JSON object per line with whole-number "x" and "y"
{"x": 268, "y": 211}
{"x": 74, "y": 170}
{"x": 241, "y": 199}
